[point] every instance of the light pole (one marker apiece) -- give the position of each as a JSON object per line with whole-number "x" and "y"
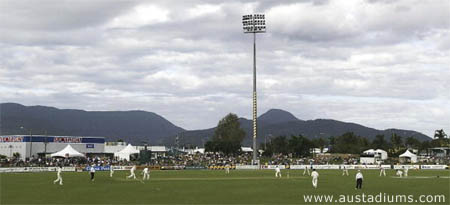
{"x": 10, "y": 151}
{"x": 31, "y": 141}
{"x": 45, "y": 146}
{"x": 254, "y": 23}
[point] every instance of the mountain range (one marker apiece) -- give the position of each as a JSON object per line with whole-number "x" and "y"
{"x": 138, "y": 127}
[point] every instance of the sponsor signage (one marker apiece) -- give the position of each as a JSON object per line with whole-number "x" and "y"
{"x": 434, "y": 167}
{"x": 247, "y": 167}
{"x": 90, "y": 146}
{"x": 195, "y": 167}
{"x": 11, "y": 139}
{"x": 302, "y": 166}
{"x": 52, "y": 139}
{"x": 406, "y": 166}
{"x": 273, "y": 166}
{"x": 98, "y": 168}
{"x": 67, "y": 139}
{"x": 36, "y": 169}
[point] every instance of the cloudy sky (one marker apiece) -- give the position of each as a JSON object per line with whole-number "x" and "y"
{"x": 379, "y": 63}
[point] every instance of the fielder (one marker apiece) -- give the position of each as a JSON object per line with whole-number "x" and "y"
{"x": 382, "y": 171}
{"x": 306, "y": 170}
{"x": 399, "y": 173}
{"x": 111, "y": 171}
{"x": 58, "y": 175}
{"x": 227, "y": 169}
{"x": 315, "y": 177}
{"x": 277, "y": 172}
{"x": 132, "y": 172}
{"x": 146, "y": 174}
{"x": 405, "y": 171}
{"x": 344, "y": 171}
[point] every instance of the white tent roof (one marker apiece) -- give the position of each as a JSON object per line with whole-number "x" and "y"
{"x": 68, "y": 151}
{"x": 408, "y": 154}
{"x": 126, "y": 152}
{"x": 246, "y": 149}
{"x": 129, "y": 149}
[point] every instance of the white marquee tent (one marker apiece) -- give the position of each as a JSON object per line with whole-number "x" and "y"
{"x": 409, "y": 155}
{"x": 126, "y": 152}
{"x": 68, "y": 151}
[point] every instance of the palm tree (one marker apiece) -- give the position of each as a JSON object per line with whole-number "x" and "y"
{"x": 440, "y": 136}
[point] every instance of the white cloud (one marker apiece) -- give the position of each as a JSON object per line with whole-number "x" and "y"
{"x": 203, "y": 9}
{"x": 141, "y": 15}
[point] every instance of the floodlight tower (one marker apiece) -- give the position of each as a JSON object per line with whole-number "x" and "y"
{"x": 254, "y": 23}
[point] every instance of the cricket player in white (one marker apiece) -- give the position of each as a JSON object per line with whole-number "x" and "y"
{"x": 406, "y": 171}
{"x": 132, "y": 172}
{"x": 315, "y": 177}
{"x": 382, "y": 171}
{"x": 111, "y": 171}
{"x": 277, "y": 172}
{"x": 58, "y": 175}
{"x": 227, "y": 169}
{"x": 146, "y": 174}
{"x": 306, "y": 170}
{"x": 344, "y": 170}
{"x": 399, "y": 173}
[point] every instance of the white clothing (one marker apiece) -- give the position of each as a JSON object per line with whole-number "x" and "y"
{"x": 344, "y": 171}
{"x": 315, "y": 177}
{"x": 406, "y": 171}
{"x": 277, "y": 172}
{"x": 111, "y": 171}
{"x": 132, "y": 173}
{"x": 399, "y": 173}
{"x": 306, "y": 171}
{"x": 359, "y": 175}
{"x": 146, "y": 174}
{"x": 92, "y": 170}
{"x": 58, "y": 175}
{"x": 382, "y": 172}
{"x": 227, "y": 169}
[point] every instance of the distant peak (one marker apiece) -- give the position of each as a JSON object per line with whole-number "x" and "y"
{"x": 274, "y": 116}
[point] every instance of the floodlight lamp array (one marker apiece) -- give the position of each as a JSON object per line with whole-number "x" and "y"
{"x": 254, "y": 23}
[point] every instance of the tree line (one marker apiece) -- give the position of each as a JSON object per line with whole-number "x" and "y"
{"x": 228, "y": 138}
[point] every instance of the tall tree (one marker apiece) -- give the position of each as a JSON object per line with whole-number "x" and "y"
{"x": 350, "y": 143}
{"x": 396, "y": 141}
{"x": 300, "y": 146}
{"x": 411, "y": 142}
{"x": 319, "y": 143}
{"x": 440, "y": 138}
{"x": 228, "y": 136}
{"x": 280, "y": 145}
{"x": 440, "y": 134}
{"x": 380, "y": 143}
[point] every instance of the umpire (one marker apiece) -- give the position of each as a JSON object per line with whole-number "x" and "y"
{"x": 359, "y": 180}
{"x": 92, "y": 171}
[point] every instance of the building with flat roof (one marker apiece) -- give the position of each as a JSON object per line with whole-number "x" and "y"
{"x": 39, "y": 145}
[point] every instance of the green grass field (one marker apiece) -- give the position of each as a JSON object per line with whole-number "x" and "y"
{"x": 210, "y": 187}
